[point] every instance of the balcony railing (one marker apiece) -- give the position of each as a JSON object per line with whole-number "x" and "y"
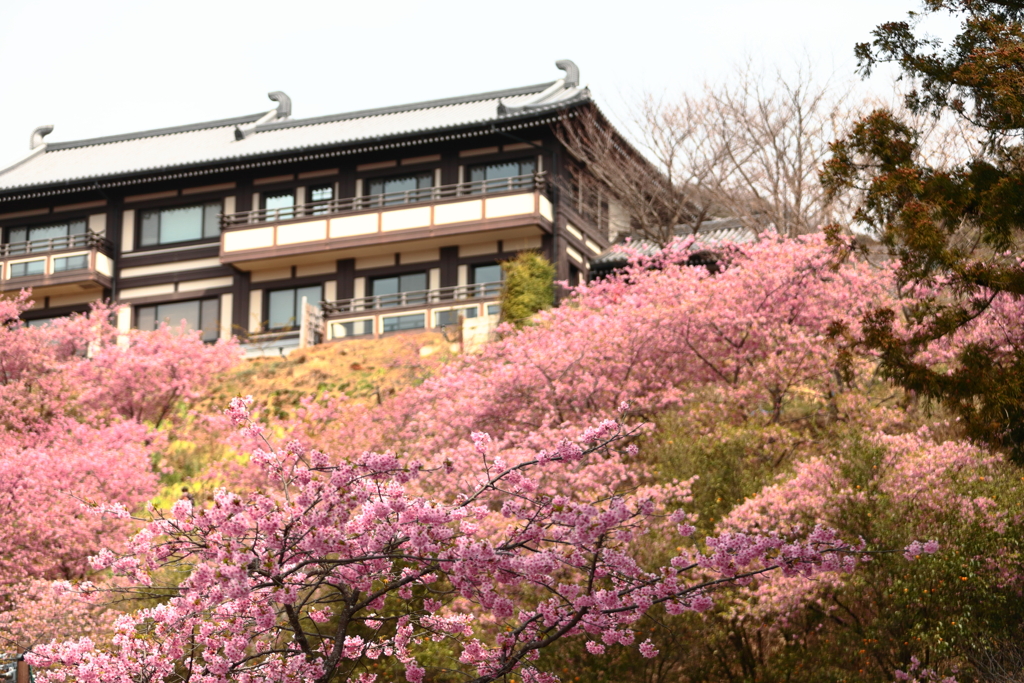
{"x": 423, "y": 297}
{"x": 89, "y": 240}
{"x": 522, "y": 183}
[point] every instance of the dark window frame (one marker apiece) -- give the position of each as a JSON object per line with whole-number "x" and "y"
{"x": 169, "y": 206}
{"x": 294, "y": 287}
{"x": 38, "y": 222}
{"x": 200, "y": 300}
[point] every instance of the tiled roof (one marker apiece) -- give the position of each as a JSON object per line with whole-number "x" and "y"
{"x": 214, "y": 141}
{"x": 711, "y": 234}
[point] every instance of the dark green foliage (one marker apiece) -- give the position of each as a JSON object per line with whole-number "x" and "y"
{"x": 959, "y": 227}
{"x": 529, "y": 287}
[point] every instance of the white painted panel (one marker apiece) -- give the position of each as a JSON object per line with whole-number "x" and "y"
{"x": 359, "y": 288}
{"x": 435, "y": 278}
{"x": 300, "y": 195}
{"x": 522, "y": 243}
{"x": 514, "y": 205}
{"x": 124, "y": 319}
{"x": 574, "y": 231}
{"x": 255, "y": 310}
{"x": 139, "y": 292}
{"x": 419, "y": 256}
{"x": 316, "y": 269}
{"x": 205, "y": 283}
{"x": 104, "y": 265}
{"x": 295, "y": 233}
{"x": 478, "y": 249}
{"x": 574, "y": 255}
{"x": 405, "y": 219}
{"x": 463, "y": 275}
{"x": 252, "y": 238}
{"x": 11, "y": 263}
{"x": 273, "y": 274}
{"x": 380, "y": 261}
{"x": 72, "y": 299}
{"x": 98, "y": 223}
{"x": 128, "y": 230}
{"x": 593, "y": 246}
{"x": 227, "y": 302}
{"x": 458, "y": 212}
{"x": 348, "y": 226}
{"x": 161, "y": 268}
{"x": 330, "y": 290}
{"x": 229, "y": 204}
{"x": 545, "y": 209}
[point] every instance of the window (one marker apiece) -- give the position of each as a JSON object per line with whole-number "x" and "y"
{"x": 40, "y": 322}
{"x": 394, "y": 291}
{"x": 355, "y": 328}
{"x": 493, "y": 309}
{"x": 279, "y": 204}
{"x": 199, "y": 314}
{"x": 26, "y": 268}
{"x": 443, "y": 318}
{"x": 65, "y": 263}
{"x": 495, "y": 177}
{"x": 54, "y": 235}
{"x": 486, "y": 280}
{"x": 284, "y": 306}
{"x": 320, "y": 196}
{"x": 180, "y": 224}
{"x": 400, "y": 189}
{"x": 398, "y": 323}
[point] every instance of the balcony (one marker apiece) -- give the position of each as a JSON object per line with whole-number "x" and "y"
{"x": 60, "y": 265}
{"x": 337, "y": 224}
{"x": 423, "y": 309}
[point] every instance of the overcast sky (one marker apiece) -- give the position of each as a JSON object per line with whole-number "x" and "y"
{"x": 101, "y": 67}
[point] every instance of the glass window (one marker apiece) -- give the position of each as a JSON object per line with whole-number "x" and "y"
{"x": 394, "y": 290}
{"x": 493, "y": 309}
{"x": 180, "y": 224}
{"x": 62, "y": 264}
{"x": 26, "y": 268}
{"x": 198, "y": 314}
{"x": 401, "y": 189}
{"x": 494, "y": 177}
{"x": 280, "y": 204}
{"x": 321, "y": 194}
{"x": 42, "y": 235}
{"x": 353, "y": 329}
{"x": 40, "y": 322}
{"x": 284, "y": 306}
{"x": 404, "y": 322}
{"x": 488, "y": 273}
{"x": 442, "y": 318}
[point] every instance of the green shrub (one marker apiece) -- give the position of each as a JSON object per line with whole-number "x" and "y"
{"x": 529, "y": 287}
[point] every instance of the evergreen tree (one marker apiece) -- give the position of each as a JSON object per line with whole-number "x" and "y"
{"x": 529, "y": 287}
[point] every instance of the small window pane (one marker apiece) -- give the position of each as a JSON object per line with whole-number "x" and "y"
{"x": 209, "y": 317}
{"x": 280, "y": 204}
{"x": 79, "y": 262}
{"x": 28, "y": 268}
{"x": 321, "y": 193}
{"x": 405, "y": 322}
{"x": 150, "y": 228}
{"x": 211, "y": 220}
{"x": 409, "y": 188}
{"x": 313, "y": 295}
{"x": 354, "y": 329}
{"x": 281, "y": 309}
{"x": 174, "y": 313}
{"x": 183, "y": 224}
{"x": 489, "y": 273}
{"x": 412, "y": 282}
{"x": 493, "y": 309}
{"x": 384, "y": 285}
{"x": 48, "y": 232}
{"x": 17, "y": 235}
{"x": 76, "y": 227}
{"x": 145, "y": 317}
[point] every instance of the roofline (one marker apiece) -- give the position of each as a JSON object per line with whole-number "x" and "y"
{"x": 291, "y": 123}
{"x": 516, "y": 122}
{"x": 363, "y": 113}
{"x": 154, "y": 132}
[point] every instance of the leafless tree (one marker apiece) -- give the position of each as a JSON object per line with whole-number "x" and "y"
{"x": 749, "y": 148}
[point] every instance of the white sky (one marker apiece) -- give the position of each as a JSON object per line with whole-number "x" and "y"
{"x": 102, "y": 67}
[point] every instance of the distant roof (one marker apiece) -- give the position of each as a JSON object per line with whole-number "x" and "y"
{"x": 215, "y": 141}
{"x": 710, "y": 234}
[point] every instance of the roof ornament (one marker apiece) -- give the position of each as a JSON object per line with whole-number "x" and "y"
{"x": 38, "y": 134}
{"x": 552, "y": 94}
{"x": 282, "y": 111}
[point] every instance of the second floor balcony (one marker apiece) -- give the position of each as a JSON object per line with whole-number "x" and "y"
{"x": 338, "y": 224}
{"x": 58, "y": 264}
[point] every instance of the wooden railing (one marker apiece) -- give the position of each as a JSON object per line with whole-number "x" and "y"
{"x": 423, "y": 297}
{"x": 522, "y": 183}
{"x": 88, "y": 240}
